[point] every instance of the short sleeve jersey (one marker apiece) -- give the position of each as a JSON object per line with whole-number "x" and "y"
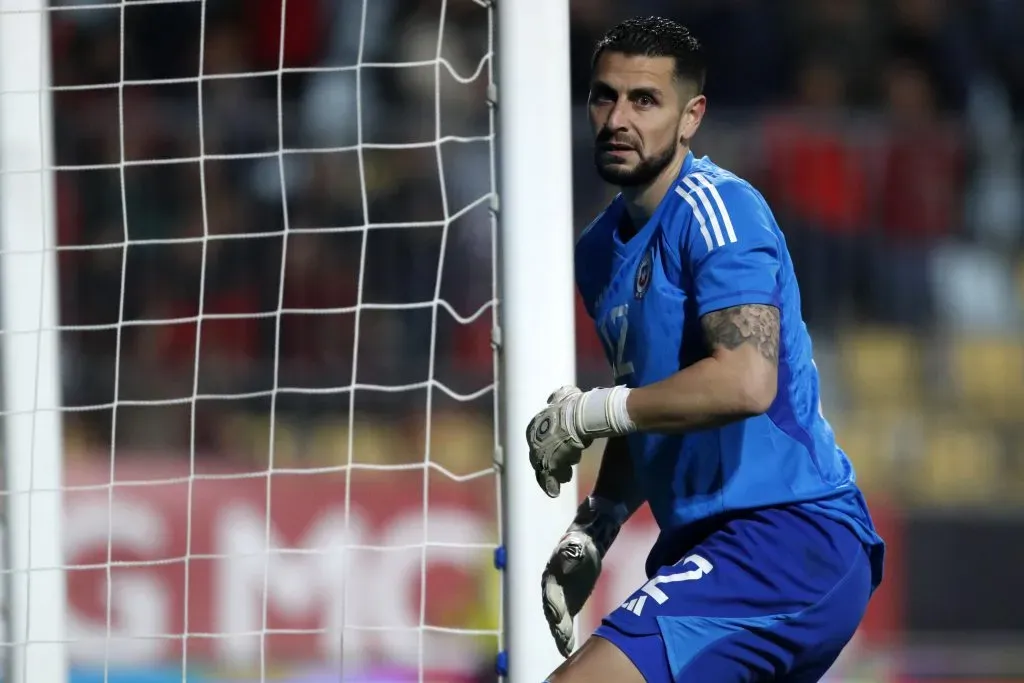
{"x": 711, "y": 244}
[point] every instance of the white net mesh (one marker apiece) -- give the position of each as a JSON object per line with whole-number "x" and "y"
{"x": 276, "y": 259}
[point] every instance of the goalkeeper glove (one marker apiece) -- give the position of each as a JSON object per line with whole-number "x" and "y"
{"x": 572, "y": 571}
{"x": 572, "y": 420}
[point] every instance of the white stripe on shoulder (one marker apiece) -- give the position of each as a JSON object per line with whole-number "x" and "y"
{"x": 709, "y": 211}
{"x": 717, "y": 197}
{"x": 700, "y": 219}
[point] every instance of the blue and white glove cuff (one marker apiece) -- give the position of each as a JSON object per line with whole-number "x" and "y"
{"x": 603, "y": 413}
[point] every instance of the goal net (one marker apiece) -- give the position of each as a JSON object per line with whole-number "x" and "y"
{"x": 277, "y": 288}
{"x": 249, "y": 299}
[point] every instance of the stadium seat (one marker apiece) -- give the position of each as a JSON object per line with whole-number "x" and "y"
{"x": 962, "y": 464}
{"x": 287, "y": 444}
{"x": 328, "y": 445}
{"x": 869, "y": 438}
{"x": 989, "y": 377}
{"x": 373, "y": 443}
{"x": 76, "y": 440}
{"x": 246, "y": 437}
{"x": 460, "y": 442}
{"x": 880, "y": 367}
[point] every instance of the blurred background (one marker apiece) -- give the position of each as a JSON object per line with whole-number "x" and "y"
{"x": 886, "y": 134}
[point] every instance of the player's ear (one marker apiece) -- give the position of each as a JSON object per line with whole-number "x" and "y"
{"x": 693, "y": 114}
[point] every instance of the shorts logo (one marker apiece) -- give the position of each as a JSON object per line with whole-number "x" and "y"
{"x": 643, "y": 275}
{"x": 701, "y": 568}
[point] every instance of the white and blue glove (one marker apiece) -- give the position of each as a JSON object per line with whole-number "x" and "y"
{"x": 571, "y": 573}
{"x": 558, "y": 435}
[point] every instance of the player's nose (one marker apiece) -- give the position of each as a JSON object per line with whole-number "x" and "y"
{"x": 617, "y": 120}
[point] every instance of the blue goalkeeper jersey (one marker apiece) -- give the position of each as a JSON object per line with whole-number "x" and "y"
{"x": 713, "y": 243}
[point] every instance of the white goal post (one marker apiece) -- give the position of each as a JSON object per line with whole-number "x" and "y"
{"x": 34, "y": 583}
{"x": 534, "y": 336}
{"x": 538, "y": 328}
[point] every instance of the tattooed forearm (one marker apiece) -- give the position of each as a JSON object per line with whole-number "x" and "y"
{"x": 755, "y": 324}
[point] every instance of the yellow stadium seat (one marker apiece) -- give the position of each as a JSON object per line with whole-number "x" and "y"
{"x": 287, "y": 445}
{"x": 328, "y": 443}
{"x": 462, "y": 443}
{"x": 881, "y": 367}
{"x": 247, "y": 437}
{"x": 377, "y": 441}
{"x": 989, "y": 376}
{"x": 869, "y": 438}
{"x": 76, "y": 440}
{"x": 962, "y": 464}
{"x": 373, "y": 442}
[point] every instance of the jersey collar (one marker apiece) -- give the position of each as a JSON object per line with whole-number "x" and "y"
{"x": 624, "y": 247}
{"x": 687, "y": 166}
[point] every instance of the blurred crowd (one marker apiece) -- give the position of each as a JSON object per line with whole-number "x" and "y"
{"x": 298, "y": 201}
{"x": 881, "y": 133}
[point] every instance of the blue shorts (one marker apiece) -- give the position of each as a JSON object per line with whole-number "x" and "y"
{"x": 774, "y": 595}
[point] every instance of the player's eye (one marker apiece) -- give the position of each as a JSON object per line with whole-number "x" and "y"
{"x": 644, "y": 101}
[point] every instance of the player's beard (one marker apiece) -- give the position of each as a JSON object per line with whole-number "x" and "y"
{"x": 645, "y": 171}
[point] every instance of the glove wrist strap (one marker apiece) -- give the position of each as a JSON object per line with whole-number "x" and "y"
{"x": 602, "y": 413}
{"x": 614, "y": 510}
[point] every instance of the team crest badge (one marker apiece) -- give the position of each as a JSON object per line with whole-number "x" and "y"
{"x": 643, "y": 275}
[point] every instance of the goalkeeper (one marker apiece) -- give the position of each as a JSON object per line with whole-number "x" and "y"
{"x": 767, "y": 555}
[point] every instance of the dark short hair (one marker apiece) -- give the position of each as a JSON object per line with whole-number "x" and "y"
{"x": 657, "y": 37}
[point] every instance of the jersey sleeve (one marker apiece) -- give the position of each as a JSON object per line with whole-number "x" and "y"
{"x": 731, "y": 248}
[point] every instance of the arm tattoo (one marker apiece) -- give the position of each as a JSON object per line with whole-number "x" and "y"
{"x": 755, "y": 324}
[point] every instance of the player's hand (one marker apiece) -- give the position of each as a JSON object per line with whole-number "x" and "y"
{"x": 555, "y": 441}
{"x": 574, "y": 567}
